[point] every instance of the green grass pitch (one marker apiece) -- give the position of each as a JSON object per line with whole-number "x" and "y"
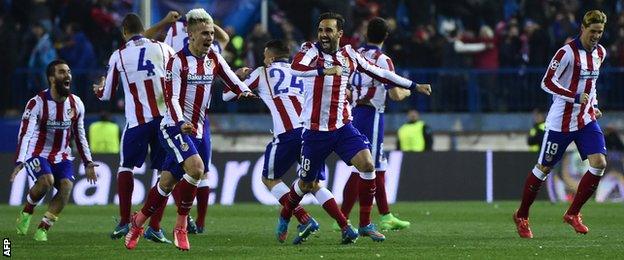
{"x": 439, "y": 230}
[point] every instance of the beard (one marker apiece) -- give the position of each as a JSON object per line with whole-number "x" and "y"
{"x": 59, "y": 85}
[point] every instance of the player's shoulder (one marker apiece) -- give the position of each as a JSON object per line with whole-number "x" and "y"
{"x": 178, "y": 56}
{"x": 77, "y": 99}
{"x": 164, "y": 46}
{"x": 349, "y": 50}
{"x": 602, "y": 48}
{"x": 347, "y": 47}
{"x": 382, "y": 56}
{"x": 260, "y": 69}
{"x": 36, "y": 100}
{"x": 566, "y": 50}
{"x": 307, "y": 46}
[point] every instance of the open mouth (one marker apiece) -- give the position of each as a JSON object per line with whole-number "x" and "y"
{"x": 66, "y": 83}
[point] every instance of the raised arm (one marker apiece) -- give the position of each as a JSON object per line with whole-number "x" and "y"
{"x": 221, "y": 36}
{"x": 155, "y": 30}
{"x": 105, "y": 89}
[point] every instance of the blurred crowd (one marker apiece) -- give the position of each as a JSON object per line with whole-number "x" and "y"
{"x": 481, "y": 34}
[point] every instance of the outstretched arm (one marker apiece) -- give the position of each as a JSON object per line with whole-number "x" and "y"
{"x": 155, "y": 30}
{"x": 107, "y": 86}
{"x": 251, "y": 81}
{"x": 385, "y": 76}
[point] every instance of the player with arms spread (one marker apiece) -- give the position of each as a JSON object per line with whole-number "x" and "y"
{"x": 327, "y": 123}
{"x": 141, "y": 65}
{"x": 51, "y": 119}
{"x": 283, "y": 95}
{"x": 187, "y": 95}
{"x": 369, "y": 96}
{"x": 571, "y": 79}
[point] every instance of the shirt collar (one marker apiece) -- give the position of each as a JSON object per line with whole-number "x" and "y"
{"x": 187, "y": 51}
{"x": 370, "y": 47}
{"x": 579, "y": 45}
{"x": 136, "y": 37}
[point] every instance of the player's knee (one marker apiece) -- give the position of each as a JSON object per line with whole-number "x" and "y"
{"x": 270, "y": 183}
{"x": 307, "y": 186}
{"x": 65, "y": 187}
{"x": 543, "y": 169}
{"x": 47, "y": 181}
{"x": 367, "y": 166}
{"x": 195, "y": 169}
{"x": 166, "y": 182}
{"x": 600, "y": 163}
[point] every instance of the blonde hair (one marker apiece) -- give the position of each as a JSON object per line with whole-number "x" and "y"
{"x": 198, "y": 15}
{"x": 594, "y": 16}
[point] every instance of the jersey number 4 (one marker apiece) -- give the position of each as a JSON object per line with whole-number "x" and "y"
{"x": 145, "y": 64}
{"x": 294, "y": 82}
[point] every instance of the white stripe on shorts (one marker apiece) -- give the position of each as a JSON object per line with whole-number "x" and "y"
{"x": 375, "y": 140}
{"x": 271, "y": 164}
{"x": 177, "y": 153}
{"x": 541, "y": 154}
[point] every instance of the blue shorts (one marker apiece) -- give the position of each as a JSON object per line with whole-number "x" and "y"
{"x": 135, "y": 142}
{"x": 346, "y": 141}
{"x": 371, "y": 124}
{"x": 180, "y": 147}
{"x": 589, "y": 140}
{"x": 37, "y": 166}
{"x": 282, "y": 153}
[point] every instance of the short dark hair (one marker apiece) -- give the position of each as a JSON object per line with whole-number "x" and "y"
{"x": 331, "y": 15}
{"x": 377, "y": 30}
{"x": 52, "y": 67}
{"x": 279, "y": 48}
{"x": 132, "y": 23}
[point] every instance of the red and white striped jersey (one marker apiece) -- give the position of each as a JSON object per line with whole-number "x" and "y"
{"x": 141, "y": 64}
{"x": 48, "y": 126}
{"x": 365, "y": 88}
{"x": 326, "y": 107}
{"x": 188, "y": 87}
{"x": 280, "y": 91}
{"x": 571, "y": 72}
{"x": 177, "y": 37}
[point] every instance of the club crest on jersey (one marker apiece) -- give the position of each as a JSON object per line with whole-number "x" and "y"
{"x": 207, "y": 64}
{"x": 71, "y": 113}
{"x": 184, "y": 147}
{"x": 168, "y": 75}
{"x": 26, "y": 114}
{"x": 554, "y": 65}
